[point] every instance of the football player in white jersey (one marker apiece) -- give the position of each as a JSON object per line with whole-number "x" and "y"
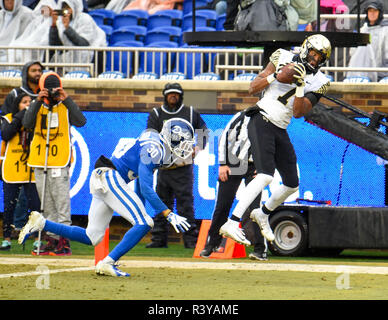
{"x": 270, "y": 144}
{"x": 111, "y": 193}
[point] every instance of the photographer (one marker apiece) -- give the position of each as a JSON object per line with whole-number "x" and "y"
{"x": 53, "y": 109}
{"x": 72, "y": 27}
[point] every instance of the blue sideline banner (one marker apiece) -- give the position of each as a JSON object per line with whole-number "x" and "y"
{"x": 330, "y": 168}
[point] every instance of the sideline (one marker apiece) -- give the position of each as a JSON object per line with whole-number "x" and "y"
{"x": 88, "y": 264}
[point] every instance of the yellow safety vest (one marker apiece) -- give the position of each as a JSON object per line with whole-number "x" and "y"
{"x": 59, "y": 150}
{"x": 14, "y": 166}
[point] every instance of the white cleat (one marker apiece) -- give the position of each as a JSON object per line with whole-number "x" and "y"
{"x": 232, "y": 230}
{"x": 262, "y": 220}
{"x": 35, "y": 223}
{"x": 109, "y": 269}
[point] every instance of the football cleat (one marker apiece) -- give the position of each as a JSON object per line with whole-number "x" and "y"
{"x": 258, "y": 256}
{"x": 109, "y": 269}
{"x": 35, "y": 223}
{"x": 231, "y": 229}
{"x": 262, "y": 220}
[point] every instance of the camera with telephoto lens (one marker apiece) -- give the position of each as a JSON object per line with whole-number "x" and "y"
{"x": 61, "y": 12}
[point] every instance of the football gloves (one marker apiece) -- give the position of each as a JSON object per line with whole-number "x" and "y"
{"x": 179, "y": 223}
{"x": 300, "y": 74}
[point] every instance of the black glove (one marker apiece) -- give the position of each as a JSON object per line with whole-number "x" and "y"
{"x": 20, "y": 115}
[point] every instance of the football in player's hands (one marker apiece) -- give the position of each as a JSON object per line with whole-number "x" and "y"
{"x": 286, "y": 73}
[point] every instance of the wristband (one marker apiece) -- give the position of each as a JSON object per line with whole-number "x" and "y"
{"x": 271, "y": 78}
{"x": 299, "y": 93}
{"x": 166, "y": 212}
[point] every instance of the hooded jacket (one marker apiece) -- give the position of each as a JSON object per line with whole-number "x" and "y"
{"x": 374, "y": 54}
{"x": 9, "y": 101}
{"x": 36, "y": 34}
{"x": 82, "y": 31}
{"x": 13, "y": 23}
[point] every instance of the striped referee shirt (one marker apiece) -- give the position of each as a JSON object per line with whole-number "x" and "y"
{"x": 234, "y": 145}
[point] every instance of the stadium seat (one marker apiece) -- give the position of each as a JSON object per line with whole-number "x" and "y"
{"x": 356, "y": 79}
{"x": 200, "y": 21}
{"x": 188, "y": 5}
{"x": 220, "y": 22}
{"x": 123, "y": 61}
{"x": 141, "y": 15}
{"x": 162, "y": 34}
{"x": 109, "y": 15}
{"x": 145, "y": 76}
{"x": 139, "y": 31}
{"x": 160, "y": 58}
{"x": 207, "y": 76}
{"x": 173, "y": 76}
{"x": 108, "y": 31}
{"x": 175, "y": 33}
{"x": 11, "y": 73}
{"x": 158, "y": 20}
{"x": 97, "y": 17}
{"x": 176, "y": 16}
{"x": 245, "y": 76}
{"x": 120, "y": 35}
{"x": 384, "y": 80}
{"x": 78, "y": 74}
{"x": 211, "y": 17}
{"x": 124, "y": 20}
{"x": 111, "y": 75}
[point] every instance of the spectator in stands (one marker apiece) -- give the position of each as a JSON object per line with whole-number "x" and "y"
{"x": 153, "y": 6}
{"x": 14, "y": 18}
{"x": 307, "y": 11}
{"x": 117, "y": 5}
{"x": 374, "y": 54}
{"x": 56, "y": 201}
{"x": 176, "y": 181}
{"x": 15, "y": 151}
{"x": 72, "y": 27}
{"x": 36, "y": 34}
{"x": 276, "y": 15}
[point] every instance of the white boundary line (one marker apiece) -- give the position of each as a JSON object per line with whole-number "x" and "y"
{"x": 38, "y": 273}
{"x": 88, "y": 264}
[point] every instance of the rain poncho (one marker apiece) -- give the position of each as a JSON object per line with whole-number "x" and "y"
{"x": 12, "y": 24}
{"x": 374, "y": 54}
{"x": 82, "y": 27}
{"x": 36, "y": 34}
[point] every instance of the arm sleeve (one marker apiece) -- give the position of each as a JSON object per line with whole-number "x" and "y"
{"x": 29, "y": 118}
{"x": 76, "y": 38}
{"x": 54, "y": 39}
{"x": 9, "y": 129}
{"x": 146, "y": 179}
{"x": 150, "y": 157}
{"x": 201, "y": 130}
{"x": 153, "y": 121}
{"x": 76, "y": 116}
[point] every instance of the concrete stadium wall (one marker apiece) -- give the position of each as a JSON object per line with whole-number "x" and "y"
{"x": 206, "y": 96}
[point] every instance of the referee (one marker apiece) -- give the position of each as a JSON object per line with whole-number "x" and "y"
{"x": 176, "y": 182}
{"x": 236, "y": 164}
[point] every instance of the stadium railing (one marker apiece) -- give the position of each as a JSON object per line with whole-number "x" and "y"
{"x": 222, "y": 61}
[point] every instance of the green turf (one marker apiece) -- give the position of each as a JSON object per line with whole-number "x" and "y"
{"x": 177, "y": 250}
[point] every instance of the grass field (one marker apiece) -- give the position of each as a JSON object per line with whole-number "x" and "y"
{"x": 172, "y": 274}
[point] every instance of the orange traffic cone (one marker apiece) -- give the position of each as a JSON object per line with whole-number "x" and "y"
{"x": 229, "y": 248}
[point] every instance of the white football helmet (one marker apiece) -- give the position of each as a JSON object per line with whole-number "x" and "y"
{"x": 178, "y": 134}
{"x": 320, "y": 44}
